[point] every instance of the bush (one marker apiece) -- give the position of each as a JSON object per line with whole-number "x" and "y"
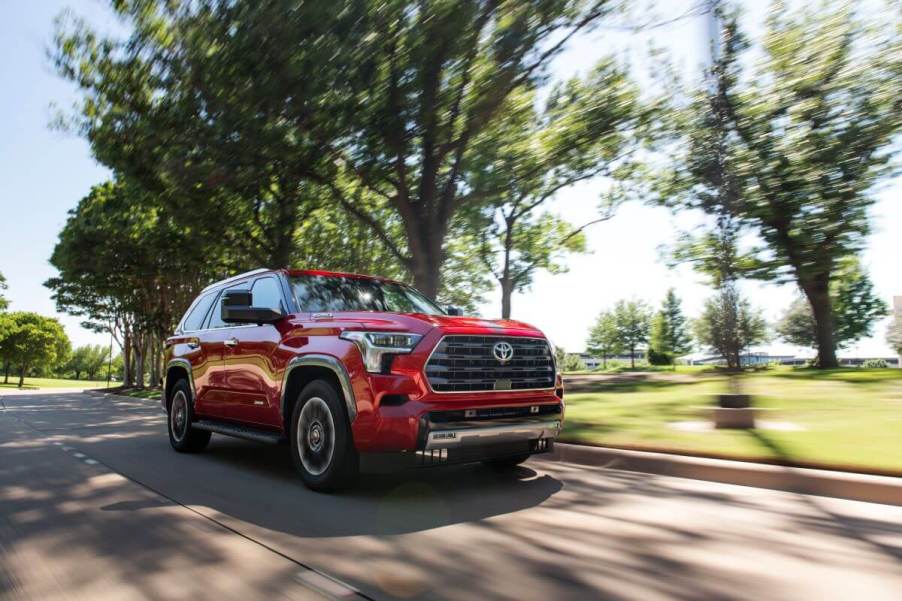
{"x": 656, "y": 358}
{"x": 573, "y": 363}
{"x": 874, "y": 364}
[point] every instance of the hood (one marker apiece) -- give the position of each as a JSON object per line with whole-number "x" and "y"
{"x": 421, "y": 323}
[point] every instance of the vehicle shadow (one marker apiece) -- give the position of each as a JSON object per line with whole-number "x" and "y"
{"x": 397, "y": 502}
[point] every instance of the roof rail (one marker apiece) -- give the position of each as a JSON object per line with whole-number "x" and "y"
{"x": 235, "y": 277}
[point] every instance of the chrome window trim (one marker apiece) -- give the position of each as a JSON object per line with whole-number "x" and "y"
{"x": 438, "y": 344}
{"x": 328, "y": 362}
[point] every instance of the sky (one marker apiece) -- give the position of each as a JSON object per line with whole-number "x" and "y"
{"x": 43, "y": 174}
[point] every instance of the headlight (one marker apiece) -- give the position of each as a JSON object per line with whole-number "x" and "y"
{"x": 377, "y": 346}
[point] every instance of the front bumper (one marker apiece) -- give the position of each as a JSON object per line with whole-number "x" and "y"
{"x": 483, "y": 435}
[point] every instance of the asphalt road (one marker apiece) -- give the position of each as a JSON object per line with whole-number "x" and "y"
{"x": 94, "y": 504}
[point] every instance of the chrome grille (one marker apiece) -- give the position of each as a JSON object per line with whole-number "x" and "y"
{"x": 466, "y": 364}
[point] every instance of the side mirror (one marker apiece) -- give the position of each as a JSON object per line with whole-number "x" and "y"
{"x": 451, "y": 310}
{"x": 237, "y": 307}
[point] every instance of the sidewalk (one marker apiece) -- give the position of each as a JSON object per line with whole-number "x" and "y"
{"x": 842, "y": 485}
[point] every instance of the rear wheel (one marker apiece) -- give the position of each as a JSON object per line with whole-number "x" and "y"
{"x": 182, "y": 436}
{"x": 322, "y": 445}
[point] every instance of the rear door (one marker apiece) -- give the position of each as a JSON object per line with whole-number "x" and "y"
{"x": 250, "y": 369}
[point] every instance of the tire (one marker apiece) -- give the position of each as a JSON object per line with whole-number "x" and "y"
{"x": 322, "y": 446}
{"x": 182, "y": 436}
{"x": 506, "y": 463}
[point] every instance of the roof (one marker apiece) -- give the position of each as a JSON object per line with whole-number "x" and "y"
{"x": 294, "y": 272}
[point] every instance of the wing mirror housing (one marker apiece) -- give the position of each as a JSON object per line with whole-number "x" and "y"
{"x": 238, "y": 307}
{"x": 452, "y": 310}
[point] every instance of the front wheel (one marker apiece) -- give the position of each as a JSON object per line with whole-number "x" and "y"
{"x": 182, "y": 436}
{"x": 322, "y": 445}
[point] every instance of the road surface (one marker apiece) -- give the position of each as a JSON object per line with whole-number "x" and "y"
{"x": 94, "y": 504}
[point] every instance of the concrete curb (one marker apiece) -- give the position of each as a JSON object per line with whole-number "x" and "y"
{"x": 842, "y": 485}
{"x": 825, "y": 483}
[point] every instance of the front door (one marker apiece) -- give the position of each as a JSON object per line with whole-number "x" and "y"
{"x": 249, "y": 371}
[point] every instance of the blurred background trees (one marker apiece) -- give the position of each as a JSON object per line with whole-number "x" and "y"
{"x": 422, "y": 141}
{"x": 29, "y": 340}
{"x": 729, "y": 325}
{"x": 792, "y": 149}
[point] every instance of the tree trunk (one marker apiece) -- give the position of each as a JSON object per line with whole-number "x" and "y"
{"x": 818, "y": 294}
{"x": 127, "y": 373}
{"x": 632, "y": 357}
{"x": 6, "y": 373}
{"x": 22, "y": 376}
{"x": 77, "y": 374}
{"x": 140, "y": 353}
{"x": 507, "y": 290}
{"x": 427, "y": 274}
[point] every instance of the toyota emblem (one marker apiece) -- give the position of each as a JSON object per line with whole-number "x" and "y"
{"x": 503, "y": 351}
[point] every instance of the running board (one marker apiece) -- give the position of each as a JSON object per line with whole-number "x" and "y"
{"x": 239, "y": 431}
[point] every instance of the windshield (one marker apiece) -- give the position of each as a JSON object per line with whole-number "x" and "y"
{"x": 325, "y": 293}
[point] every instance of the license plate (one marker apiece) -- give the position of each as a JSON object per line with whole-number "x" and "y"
{"x": 502, "y": 384}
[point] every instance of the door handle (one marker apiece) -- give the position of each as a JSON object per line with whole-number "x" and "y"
{"x": 231, "y": 342}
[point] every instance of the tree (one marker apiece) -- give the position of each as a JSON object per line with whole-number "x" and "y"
{"x": 669, "y": 337}
{"x": 632, "y": 320}
{"x": 604, "y": 337}
{"x": 793, "y": 151}
{"x": 7, "y": 328}
{"x": 3, "y": 286}
{"x": 729, "y": 325}
{"x": 855, "y": 308}
{"x": 130, "y": 268}
{"x": 88, "y": 360}
{"x": 588, "y": 127}
{"x": 244, "y": 116}
{"x": 33, "y": 341}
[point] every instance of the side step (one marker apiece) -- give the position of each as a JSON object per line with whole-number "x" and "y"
{"x": 239, "y": 431}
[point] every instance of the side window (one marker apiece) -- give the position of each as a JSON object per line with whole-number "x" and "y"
{"x": 195, "y": 318}
{"x": 267, "y": 293}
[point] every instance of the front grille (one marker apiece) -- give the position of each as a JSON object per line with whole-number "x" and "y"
{"x": 467, "y": 364}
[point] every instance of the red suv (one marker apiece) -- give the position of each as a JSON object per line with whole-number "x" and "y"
{"x": 348, "y": 368}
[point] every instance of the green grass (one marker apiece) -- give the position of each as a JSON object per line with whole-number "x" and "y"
{"x": 141, "y": 393}
{"x": 36, "y": 383}
{"x": 852, "y": 418}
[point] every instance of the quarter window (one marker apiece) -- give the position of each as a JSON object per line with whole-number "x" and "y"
{"x": 195, "y": 318}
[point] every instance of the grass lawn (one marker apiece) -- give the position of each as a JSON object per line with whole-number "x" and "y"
{"x": 35, "y": 383}
{"x": 142, "y": 393}
{"x": 847, "y": 418}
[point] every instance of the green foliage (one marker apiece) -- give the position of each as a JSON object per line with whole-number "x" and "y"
{"x": 669, "y": 337}
{"x": 855, "y": 308}
{"x": 88, "y": 360}
{"x": 29, "y": 340}
{"x": 248, "y": 117}
{"x": 604, "y": 337}
{"x": 729, "y": 325}
{"x": 793, "y": 150}
{"x": 659, "y": 358}
{"x": 874, "y": 364}
{"x": 632, "y": 323}
{"x": 3, "y": 286}
{"x": 588, "y": 126}
{"x": 573, "y": 362}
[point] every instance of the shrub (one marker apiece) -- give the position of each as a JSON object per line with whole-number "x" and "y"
{"x": 874, "y": 364}
{"x": 573, "y": 363}
{"x": 656, "y": 358}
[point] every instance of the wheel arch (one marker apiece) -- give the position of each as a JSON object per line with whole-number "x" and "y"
{"x": 306, "y": 368}
{"x": 176, "y": 370}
